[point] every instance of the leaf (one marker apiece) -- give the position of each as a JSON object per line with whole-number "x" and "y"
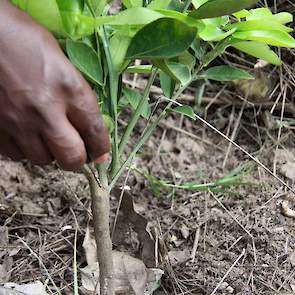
{"x": 163, "y": 38}
{"x": 259, "y": 13}
{"x": 36, "y": 288}
{"x": 213, "y": 33}
{"x": 135, "y": 16}
{"x": 274, "y": 38}
{"x": 141, "y": 69}
{"x": 185, "y": 110}
{"x": 258, "y": 50}
{"x": 180, "y": 71}
{"x": 213, "y": 8}
{"x": 259, "y": 24}
{"x": 242, "y": 13}
{"x": 109, "y": 122}
{"x": 159, "y": 4}
{"x": 118, "y": 44}
{"x": 167, "y": 84}
{"x": 225, "y": 73}
{"x": 132, "y": 3}
{"x": 86, "y": 60}
{"x": 44, "y": 12}
{"x": 198, "y": 3}
{"x": 134, "y": 97}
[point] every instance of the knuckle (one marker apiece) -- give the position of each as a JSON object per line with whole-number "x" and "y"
{"x": 73, "y": 160}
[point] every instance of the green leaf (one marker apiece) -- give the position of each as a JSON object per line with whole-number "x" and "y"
{"x": 258, "y": 50}
{"x": 180, "y": 71}
{"x": 132, "y": 3}
{"x": 44, "y": 12}
{"x": 167, "y": 84}
{"x": 159, "y": 4}
{"x": 135, "y": 16}
{"x": 163, "y": 38}
{"x": 198, "y": 3}
{"x": 213, "y": 8}
{"x": 259, "y": 13}
{"x": 134, "y": 97}
{"x": 213, "y": 33}
{"x": 274, "y": 38}
{"x": 225, "y": 73}
{"x": 185, "y": 110}
{"x": 118, "y": 44}
{"x": 141, "y": 69}
{"x": 86, "y": 60}
{"x": 242, "y": 13}
{"x": 109, "y": 122}
{"x": 259, "y": 24}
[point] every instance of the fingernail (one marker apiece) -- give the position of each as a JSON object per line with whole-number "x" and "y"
{"x": 102, "y": 159}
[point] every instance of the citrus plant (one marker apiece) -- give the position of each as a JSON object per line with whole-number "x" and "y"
{"x": 177, "y": 40}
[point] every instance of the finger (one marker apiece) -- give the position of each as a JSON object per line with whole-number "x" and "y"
{"x": 34, "y": 149}
{"x": 102, "y": 159}
{"x": 86, "y": 118}
{"x": 9, "y": 148}
{"x": 65, "y": 143}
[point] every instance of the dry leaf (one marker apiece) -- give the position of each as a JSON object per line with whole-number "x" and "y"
{"x": 130, "y": 219}
{"x": 5, "y": 259}
{"x": 36, "y": 288}
{"x": 177, "y": 257}
{"x": 131, "y": 277}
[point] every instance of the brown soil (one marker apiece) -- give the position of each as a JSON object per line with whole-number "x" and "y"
{"x": 42, "y": 206}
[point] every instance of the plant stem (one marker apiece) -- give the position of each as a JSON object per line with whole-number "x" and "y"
{"x": 101, "y": 209}
{"x": 149, "y": 129}
{"x": 113, "y": 86}
{"x": 137, "y": 112}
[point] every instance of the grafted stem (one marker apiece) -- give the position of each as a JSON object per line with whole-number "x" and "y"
{"x": 100, "y": 210}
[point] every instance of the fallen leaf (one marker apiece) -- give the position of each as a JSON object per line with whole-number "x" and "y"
{"x": 36, "y": 288}
{"x": 5, "y": 260}
{"x": 131, "y": 277}
{"x": 177, "y": 257}
{"x": 128, "y": 219}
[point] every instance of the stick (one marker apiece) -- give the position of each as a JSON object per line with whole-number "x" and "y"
{"x": 100, "y": 211}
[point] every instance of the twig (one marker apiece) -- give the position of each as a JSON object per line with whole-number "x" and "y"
{"x": 100, "y": 211}
{"x": 228, "y": 272}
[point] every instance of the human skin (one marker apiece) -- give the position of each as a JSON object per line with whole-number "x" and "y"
{"x": 47, "y": 110}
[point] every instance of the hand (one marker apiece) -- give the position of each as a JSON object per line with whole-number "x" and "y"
{"x": 47, "y": 110}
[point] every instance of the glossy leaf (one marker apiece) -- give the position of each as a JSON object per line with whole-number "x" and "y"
{"x": 167, "y": 84}
{"x": 135, "y": 16}
{"x": 86, "y": 60}
{"x": 180, "y": 71}
{"x": 198, "y": 3}
{"x": 141, "y": 69}
{"x": 132, "y": 3}
{"x": 259, "y": 24}
{"x": 258, "y": 50}
{"x": 213, "y": 33}
{"x": 47, "y": 14}
{"x": 159, "y": 4}
{"x": 214, "y": 8}
{"x": 134, "y": 97}
{"x": 163, "y": 38}
{"x": 242, "y": 14}
{"x": 118, "y": 44}
{"x": 185, "y": 110}
{"x": 225, "y": 73}
{"x": 274, "y": 38}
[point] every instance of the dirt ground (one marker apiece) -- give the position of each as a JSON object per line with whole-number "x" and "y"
{"x": 243, "y": 242}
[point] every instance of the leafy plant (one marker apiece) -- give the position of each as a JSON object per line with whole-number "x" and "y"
{"x": 179, "y": 40}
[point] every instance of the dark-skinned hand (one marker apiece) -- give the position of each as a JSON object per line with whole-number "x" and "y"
{"x": 47, "y": 110}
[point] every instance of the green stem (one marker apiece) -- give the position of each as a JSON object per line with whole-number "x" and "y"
{"x": 137, "y": 112}
{"x": 149, "y": 130}
{"x": 113, "y": 86}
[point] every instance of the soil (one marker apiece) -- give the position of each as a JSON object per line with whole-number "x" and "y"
{"x": 244, "y": 243}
